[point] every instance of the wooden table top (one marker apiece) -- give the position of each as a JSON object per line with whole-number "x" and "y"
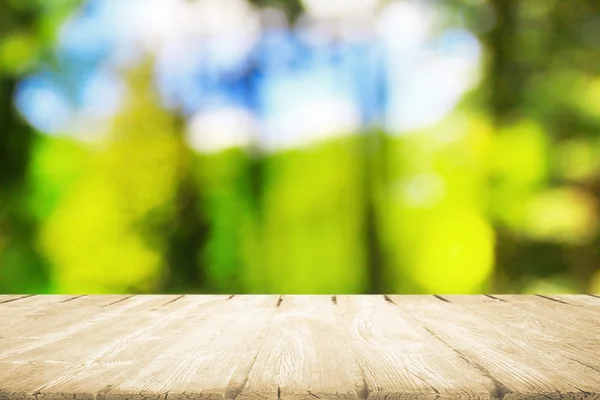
{"x": 299, "y": 347}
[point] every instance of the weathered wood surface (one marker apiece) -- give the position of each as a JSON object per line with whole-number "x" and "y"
{"x": 299, "y": 347}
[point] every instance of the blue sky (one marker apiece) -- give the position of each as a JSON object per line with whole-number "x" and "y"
{"x": 297, "y": 91}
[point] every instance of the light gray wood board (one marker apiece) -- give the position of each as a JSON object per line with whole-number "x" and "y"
{"x": 586, "y": 301}
{"x": 295, "y": 347}
{"x": 7, "y": 298}
{"x": 577, "y": 342}
{"x": 39, "y": 326}
{"x": 519, "y": 365}
{"x": 85, "y": 348}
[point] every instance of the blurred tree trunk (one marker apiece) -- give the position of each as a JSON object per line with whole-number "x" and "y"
{"x": 504, "y": 76}
{"x": 372, "y": 155}
{"x": 503, "y": 84}
{"x": 186, "y": 269}
{"x": 189, "y": 230}
{"x": 15, "y": 149}
{"x": 22, "y": 269}
{"x": 15, "y": 140}
{"x": 16, "y": 136}
{"x": 547, "y": 40}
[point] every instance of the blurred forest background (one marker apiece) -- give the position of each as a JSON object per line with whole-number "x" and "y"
{"x": 315, "y": 146}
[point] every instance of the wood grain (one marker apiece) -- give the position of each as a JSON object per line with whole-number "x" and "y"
{"x": 397, "y": 354}
{"x": 303, "y": 347}
{"x": 575, "y": 343}
{"x": 186, "y": 347}
{"x": 518, "y": 366}
{"x": 7, "y": 298}
{"x": 588, "y": 301}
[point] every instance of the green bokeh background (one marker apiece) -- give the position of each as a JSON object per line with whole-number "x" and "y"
{"x": 500, "y": 196}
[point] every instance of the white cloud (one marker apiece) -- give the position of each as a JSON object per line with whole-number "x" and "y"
{"x": 310, "y": 121}
{"x": 432, "y": 92}
{"x": 102, "y": 95}
{"x": 220, "y": 129}
{"x": 227, "y": 28}
{"x": 339, "y": 8}
{"x": 406, "y": 25}
{"x": 428, "y": 75}
{"x": 43, "y": 105}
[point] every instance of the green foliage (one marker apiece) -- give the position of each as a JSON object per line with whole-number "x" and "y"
{"x": 232, "y": 247}
{"x": 436, "y": 233}
{"x": 312, "y": 221}
{"x": 501, "y": 196}
{"x": 110, "y": 221}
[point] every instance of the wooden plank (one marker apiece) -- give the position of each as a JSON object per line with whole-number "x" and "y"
{"x": 121, "y": 353}
{"x": 59, "y": 320}
{"x": 584, "y": 300}
{"x": 518, "y": 367}
{"x": 305, "y": 357}
{"x": 8, "y": 298}
{"x": 172, "y": 323}
{"x": 16, "y": 306}
{"x": 299, "y": 347}
{"x": 211, "y": 357}
{"x": 577, "y": 342}
{"x": 17, "y": 380}
{"x": 558, "y": 311}
{"x": 86, "y": 358}
{"x": 397, "y": 355}
{"x": 19, "y": 313}
{"x": 100, "y": 333}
